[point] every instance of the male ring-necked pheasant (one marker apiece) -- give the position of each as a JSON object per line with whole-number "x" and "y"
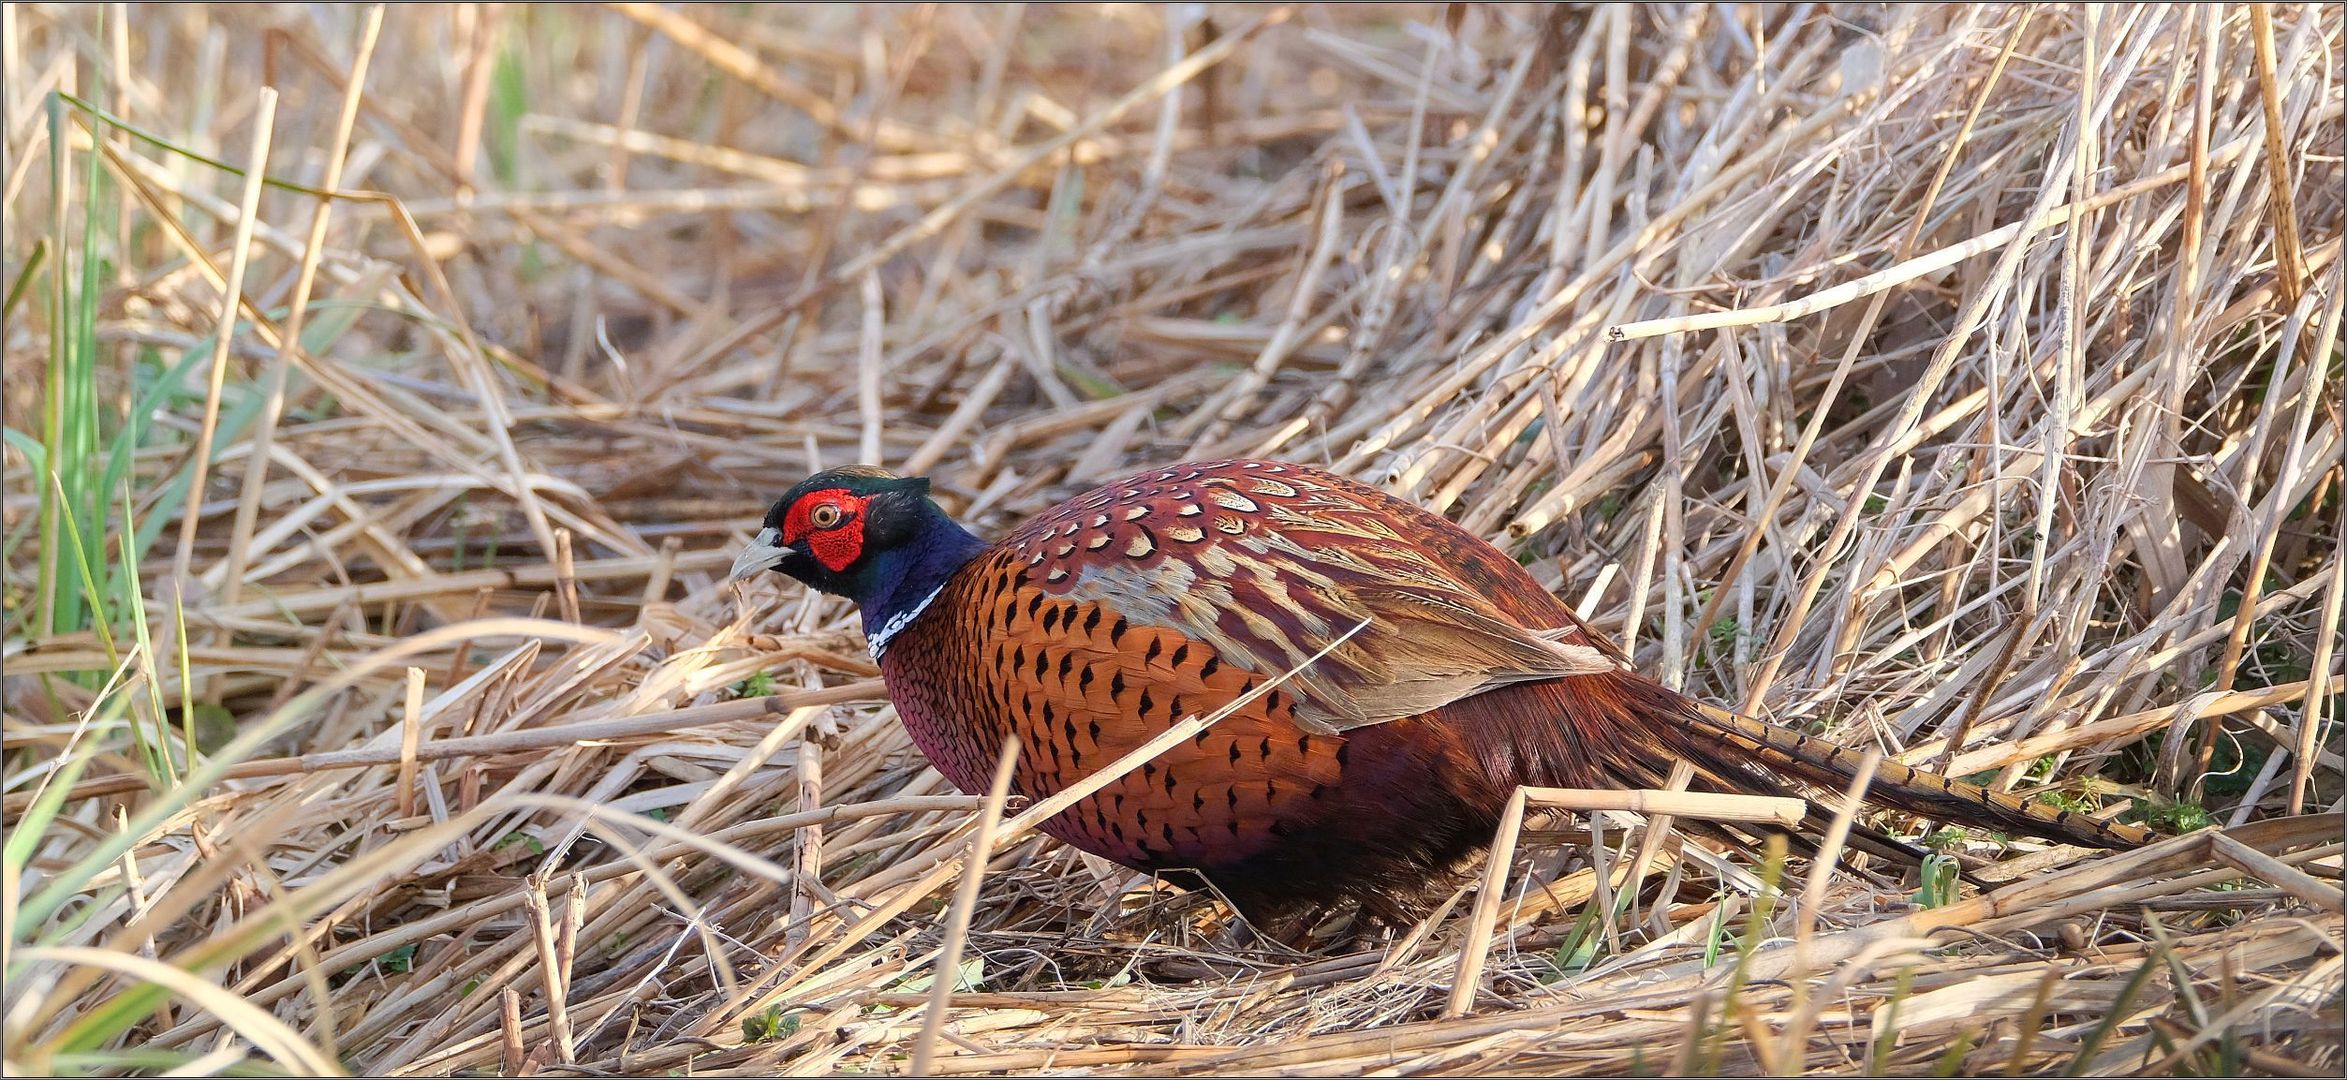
{"x": 1368, "y": 774}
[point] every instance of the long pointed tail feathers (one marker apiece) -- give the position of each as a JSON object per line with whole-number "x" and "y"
{"x": 1623, "y": 728}
{"x": 1720, "y": 741}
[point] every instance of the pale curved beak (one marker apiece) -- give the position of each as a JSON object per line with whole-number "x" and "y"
{"x": 763, "y": 552}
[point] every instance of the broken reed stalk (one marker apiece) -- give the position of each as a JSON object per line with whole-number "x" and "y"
{"x": 224, "y": 335}
{"x": 1487, "y": 901}
{"x": 411, "y": 735}
{"x": 550, "y": 966}
{"x": 248, "y": 505}
{"x": 946, "y": 974}
{"x": 1700, "y": 805}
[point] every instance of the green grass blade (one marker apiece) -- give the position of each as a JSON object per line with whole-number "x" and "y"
{"x": 233, "y": 423}
{"x": 53, "y": 403}
{"x": 1951, "y": 1060}
{"x": 80, "y": 550}
{"x": 75, "y": 458}
{"x": 2110, "y": 1020}
{"x": 36, "y": 454}
{"x": 134, "y": 601}
{"x": 187, "y": 674}
{"x": 24, "y": 278}
{"x": 1878, "y": 1055}
{"x": 70, "y": 414}
{"x": 158, "y": 141}
{"x": 123, "y": 452}
{"x": 27, "y": 831}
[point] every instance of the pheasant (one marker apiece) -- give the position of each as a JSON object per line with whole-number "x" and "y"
{"x": 1367, "y": 775}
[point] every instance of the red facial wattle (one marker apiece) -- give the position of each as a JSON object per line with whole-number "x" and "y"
{"x": 836, "y": 546}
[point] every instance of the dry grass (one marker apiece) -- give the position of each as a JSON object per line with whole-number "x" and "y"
{"x": 1962, "y": 381}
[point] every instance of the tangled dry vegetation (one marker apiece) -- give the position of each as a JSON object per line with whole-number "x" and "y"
{"x": 1962, "y": 381}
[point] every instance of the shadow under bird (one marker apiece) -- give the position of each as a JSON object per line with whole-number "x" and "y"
{"x": 1371, "y": 772}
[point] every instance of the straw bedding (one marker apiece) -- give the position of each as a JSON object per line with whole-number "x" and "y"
{"x": 1961, "y": 381}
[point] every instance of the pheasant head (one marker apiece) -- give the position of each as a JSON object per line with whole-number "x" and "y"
{"x": 865, "y": 534}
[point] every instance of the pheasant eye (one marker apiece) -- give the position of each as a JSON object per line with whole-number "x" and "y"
{"x": 824, "y": 515}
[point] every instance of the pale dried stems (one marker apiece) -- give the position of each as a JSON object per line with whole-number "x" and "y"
{"x": 1930, "y": 378}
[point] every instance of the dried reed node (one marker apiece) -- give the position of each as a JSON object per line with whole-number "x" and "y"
{"x": 387, "y": 390}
